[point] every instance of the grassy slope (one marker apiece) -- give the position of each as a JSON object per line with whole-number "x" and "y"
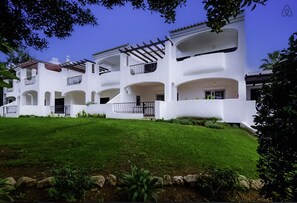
{"x": 112, "y": 145}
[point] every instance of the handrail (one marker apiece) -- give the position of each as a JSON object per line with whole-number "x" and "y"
{"x": 138, "y": 64}
{"x": 74, "y": 80}
{"x": 9, "y": 89}
{"x": 11, "y": 109}
{"x": 207, "y": 53}
{"x": 145, "y": 108}
{"x": 30, "y": 80}
{"x": 61, "y": 109}
{"x": 143, "y": 68}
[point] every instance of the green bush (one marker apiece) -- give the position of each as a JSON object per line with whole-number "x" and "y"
{"x": 211, "y": 124}
{"x": 4, "y": 191}
{"x": 183, "y": 121}
{"x": 276, "y": 122}
{"x": 96, "y": 115}
{"x": 161, "y": 120}
{"x": 207, "y": 122}
{"x": 199, "y": 122}
{"x": 70, "y": 184}
{"x": 218, "y": 184}
{"x": 138, "y": 185}
{"x": 29, "y": 116}
{"x": 82, "y": 114}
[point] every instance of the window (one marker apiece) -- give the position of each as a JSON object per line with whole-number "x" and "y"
{"x": 104, "y": 100}
{"x": 160, "y": 97}
{"x": 137, "y": 100}
{"x": 215, "y": 94}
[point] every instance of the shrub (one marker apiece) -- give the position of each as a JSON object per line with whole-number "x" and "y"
{"x": 276, "y": 122}
{"x": 161, "y": 120}
{"x": 29, "y": 116}
{"x": 211, "y": 124}
{"x": 170, "y": 121}
{"x": 82, "y": 114}
{"x": 199, "y": 122}
{"x": 183, "y": 121}
{"x": 97, "y": 115}
{"x": 4, "y": 191}
{"x": 70, "y": 184}
{"x": 138, "y": 185}
{"x": 218, "y": 184}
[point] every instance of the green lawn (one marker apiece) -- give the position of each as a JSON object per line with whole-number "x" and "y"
{"x": 111, "y": 145}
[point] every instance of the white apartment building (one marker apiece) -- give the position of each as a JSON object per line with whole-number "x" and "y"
{"x": 194, "y": 72}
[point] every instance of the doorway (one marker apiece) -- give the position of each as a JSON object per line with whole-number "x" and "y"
{"x": 59, "y": 105}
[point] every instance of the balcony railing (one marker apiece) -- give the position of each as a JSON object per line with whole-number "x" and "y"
{"x": 11, "y": 109}
{"x": 74, "y": 80}
{"x": 143, "y": 68}
{"x": 30, "y": 80}
{"x": 146, "y": 108}
{"x": 9, "y": 89}
{"x": 61, "y": 109}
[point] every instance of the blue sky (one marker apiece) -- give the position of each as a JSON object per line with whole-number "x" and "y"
{"x": 266, "y": 30}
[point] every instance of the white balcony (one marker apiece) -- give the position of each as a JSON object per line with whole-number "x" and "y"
{"x": 74, "y": 80}
{"x": 227, "y": 110}
{"x": 30, "y": 80}
{"x": 9, "y": 89}
{"x": 202, "y": 64}
{"x": 110, "y": 78}
{"x": 143, "y": 68}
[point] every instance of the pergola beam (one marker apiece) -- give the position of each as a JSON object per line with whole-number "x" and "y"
{"x": 169, "y": 40}
{"x": 154, "y": 51}
{"x": 161, "y": 42}
{"x": 77, "y": 65}
{"x": 148, "y": 53}
{"x": 131, "y": 52}
{"x": 137, "y": 50}
{"x": 156, "y": 45}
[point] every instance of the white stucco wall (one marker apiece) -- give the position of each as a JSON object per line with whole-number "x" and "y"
{"x": 189, "y": 78}
{"x": 196, "y": 89}
{"x": 227, "y": 110}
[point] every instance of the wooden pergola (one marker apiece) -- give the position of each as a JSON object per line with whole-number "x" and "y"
{"x": 33, "y": 64}
{"x": 147, "y": 53}
{"x": 79, "y": 66}
{"x": 257, "y": 79}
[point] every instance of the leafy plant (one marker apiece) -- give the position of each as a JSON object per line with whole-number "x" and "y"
{"x": 212, "y": 124}
{"x": 6, "y": 74}
{"x": 4, "y": 191}
{"x": 138, "y": 185}
{"x": 161, "y": 120}
{"x": 276, "y": 122}
{"x": 82, "y": 114}
{"x": 183, "y": 121}
{"x": 69, "y": 184}
{"x": 97, "y": 115}
{"x": 218, "y": 184}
